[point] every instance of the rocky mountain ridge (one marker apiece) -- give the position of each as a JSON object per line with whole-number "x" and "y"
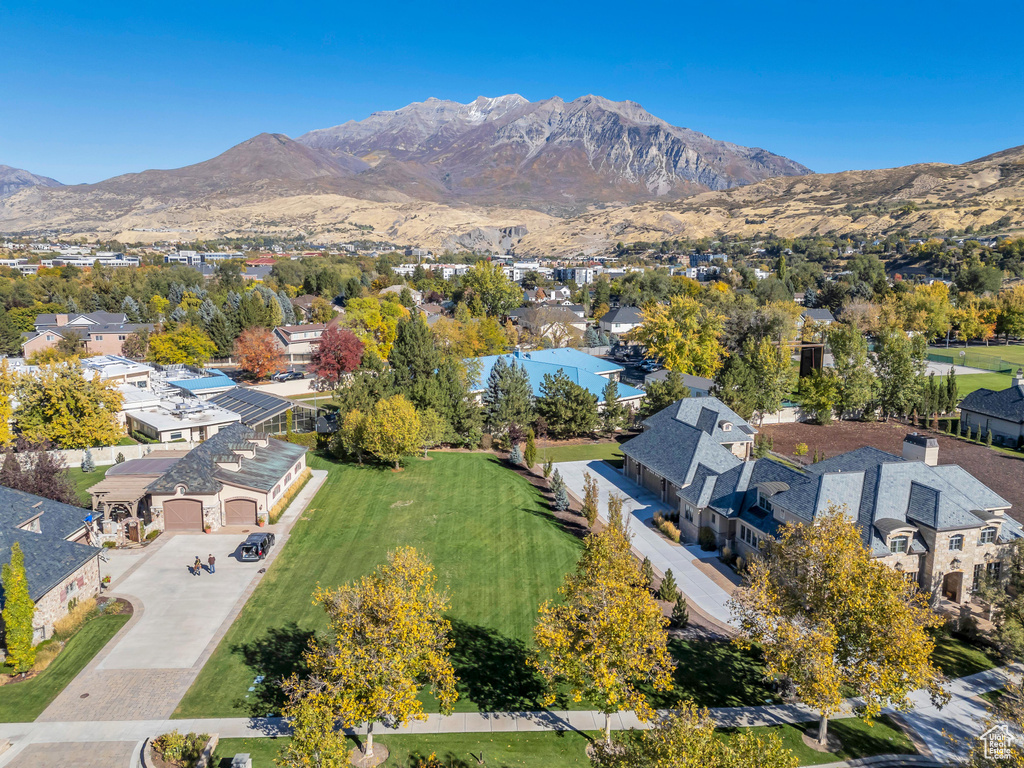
{"x": 14, "y": 179}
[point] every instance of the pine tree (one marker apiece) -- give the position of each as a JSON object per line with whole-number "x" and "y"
{"x": 87, "y": 463}
{"x": 951, "y": 390}
{"x": 647, "y": 570}
{"x": 680, "y": 613}
{"x": 18, "y": 612}
{"x": 547, "y": 468}
{"x": 615, "y": 413}
{"x": 515, "y": 456}
{"x": 508, "y": 399}
{"x": 668, "y": 590}
{"x": 562, "y": 499}
{"x": 590, "y": 338}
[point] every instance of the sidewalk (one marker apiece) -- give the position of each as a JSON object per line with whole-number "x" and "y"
{"x": 699, "y": 589}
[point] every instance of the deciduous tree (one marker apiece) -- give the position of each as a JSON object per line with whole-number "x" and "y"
{"x": 393, "y": 430}
{"x": 850, "y": 353}
{"x": 258, "y": 353}
{"x": 375, "y": 322}
{"x": 337, "y": 352}
{"x": 387, "y": 635}
{"x": 684, "y": 334}
{"x": 833, "y": 620}
{"x": 60, "y": 404}
{"x": 899, "y": 366}
{"x": 486, "y": 281}
{"x": 433, "y": 429}
{"x": 136, "y": 345}
{"x": 590, "y": 499}
{"x": 820, "y": 394}
{"x": 18, "y": 612}
{"x": 606, "y": 637}
{"x": 186, "y": 344}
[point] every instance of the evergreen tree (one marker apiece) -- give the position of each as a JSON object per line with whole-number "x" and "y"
{"x": 615, "y": 414}
{"x": 952, "y": 396}
{"x": 668, "y": 591}
{"x": 414, "y": 359}
{"x": 252, "y": 311}
{"x": 88, "y": 465}
{"x": 131, "y": 309}
{"x": 988, "y": 438}
{"x": 562, "y": 499}
{"x": 569, "y": 409}
{"x": 547, "y": 469}
{"x": 590, "y": 338}
{"x": 508, "y": 400}
{"x": 18, "y": 612}
{"x": 222, "y": 333}
{"x": 287, "y": 310}
{"x": 661, "y": 394}
{"x": 530, "y": 452}
{"x": 207, "y": 311}
{"x": 455, "y": 403}
{"x": 647, "y": 570}
{"x": 515, "y": 456}
{"x": 10, "y": 335}
{"x": 680, "y": 613}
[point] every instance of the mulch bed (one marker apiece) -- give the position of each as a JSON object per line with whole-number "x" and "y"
{"x": 999, "y": 471}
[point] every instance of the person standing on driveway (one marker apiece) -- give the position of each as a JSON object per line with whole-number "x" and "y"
{"x": 212, "y": 563}
{"x": 197, "y": 566}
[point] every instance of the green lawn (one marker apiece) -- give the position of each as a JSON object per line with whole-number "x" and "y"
{"x": 1011, "y": 353}
{"x": 714, "y": 674}
{"x": 567, "y": 750}
{"x": 859, "y": 739}
{"x": 958, "y": 658}
{"x": 969, "y": 383}
{"x": 489, "y": 534}
{"x": 23, "y": 702}
{"x": 84, "y": 481}
{"x": 610, "y": 451}
{"x": 456, "y": 750}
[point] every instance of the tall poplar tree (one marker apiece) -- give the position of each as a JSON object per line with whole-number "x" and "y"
{"x": 18, "y": 612}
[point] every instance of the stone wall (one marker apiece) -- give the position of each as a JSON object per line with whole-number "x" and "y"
{"x": 53, "y": 606}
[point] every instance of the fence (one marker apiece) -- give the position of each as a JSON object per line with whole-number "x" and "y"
{"x": 973, "y": 359}
{"x": 107, "y": 454}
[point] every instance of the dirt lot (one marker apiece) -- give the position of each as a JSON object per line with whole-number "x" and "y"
{"x": 1003, "y": 473}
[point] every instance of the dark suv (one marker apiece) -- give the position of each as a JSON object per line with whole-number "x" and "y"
{"x": 256, "y": 546}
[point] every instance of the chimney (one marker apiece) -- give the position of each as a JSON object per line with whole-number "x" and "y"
{"x": 917, "y": 447}
{"x": 61, "y": 320}
{"x": 1018, "y": 380}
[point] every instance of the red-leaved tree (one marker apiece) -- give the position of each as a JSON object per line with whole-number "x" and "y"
{"x": 338, "y": 352}
{"x": 257, "y": 352}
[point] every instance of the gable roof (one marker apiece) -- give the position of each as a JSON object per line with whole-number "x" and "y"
{"x": 622, "y": 315}
{"x": 539, "y": 363}
{"x": 1007, "y": 404}
{"x": 822, "y": 315}
{"x": 198, "y": 471}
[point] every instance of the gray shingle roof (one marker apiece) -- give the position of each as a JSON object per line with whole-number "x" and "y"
{"x": 622, "y": 315}
{"x": 1005, "y": 404}
{"x": 818, "y": 315}
{"x": 199, "y": 473}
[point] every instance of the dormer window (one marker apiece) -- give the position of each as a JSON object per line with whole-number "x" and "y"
{"x": 726, "y": 426}
{"x": 898, "y": 544}
{"x": 763, "y": 502}
{"x": 956, "y": 543}
{"x": 988, "y": 535}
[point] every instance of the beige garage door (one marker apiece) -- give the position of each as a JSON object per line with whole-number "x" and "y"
{"x": 240, "y": 512}
{"x": 183, "y": 515}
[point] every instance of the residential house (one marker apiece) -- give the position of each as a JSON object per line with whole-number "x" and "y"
{"x": 998, "y": 410}
{"x": 60, "y": 562}
{"x": 102, "y": 333}
{"x": 189, "y": 419}
{"x": 822, "y": 315}
{"x": 591, "y": 373}
{"x": 620, "y": 320}
{"x": 267, "y": 413}
{"x": 698, "y": 385}
{"x": 299, "y": 341}
{"x": 938, "y": 524}
{"x": 237, "y": 477}
{"x": 417, "y": 297}
{"x": 560, "y": 325}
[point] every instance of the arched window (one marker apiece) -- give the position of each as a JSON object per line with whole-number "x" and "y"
{"x": 988, "y": 535}
{"x": 956, "y": 542}
{"x": 898, "y": 544}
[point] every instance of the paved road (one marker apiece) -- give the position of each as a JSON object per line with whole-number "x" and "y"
{"x": 179, "y": 618}
{"x": 698, "y": 588}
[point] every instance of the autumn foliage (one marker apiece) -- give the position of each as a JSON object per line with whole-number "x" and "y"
{"x": 339, "y": 352}
{"x": 258, "y": 353}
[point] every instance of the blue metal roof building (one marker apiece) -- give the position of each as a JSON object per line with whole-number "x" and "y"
{"x": 591, "y": 373}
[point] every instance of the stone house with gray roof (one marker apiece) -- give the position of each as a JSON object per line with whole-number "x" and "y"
{"x": 999, "y": 410}
{"x": 60, "y": 563}
{"x": 236, "y": 477}
{"x": 938, "y": 524}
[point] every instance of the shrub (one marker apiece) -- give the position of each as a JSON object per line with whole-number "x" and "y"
{"x": 45, "y": 654}
{"x": 181, "y": 749}
{"x": 67, "y": 626}
{"x": 647, "y": 570}
{"x": 740, "y": 564}
{"x": 988, "y": 438}
{"x": 153, "y": 534}
{"x": 109, "y": 544}
{"x": 143, "y": 438}
{"x": 119, "y": 459}
{"x": 668, "y": 590}
{"x": 562, "y": 499}
{"x": 670, "y": 530}
{"x": 548, "y": 467}
{"x": 727, "y": 554}
{"x": 515, "y": 456}
{"x": 967, "y": 434}
{"x": 680, "y": 613}
{"x": 706, "y": 539}
{"x": 530, "y": 453}
{"x": 800, "y": 449}
{"x": 88, "y": 465}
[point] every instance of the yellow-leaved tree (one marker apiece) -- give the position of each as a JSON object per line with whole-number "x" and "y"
{"x": 684, "y": 333}
{"x": 833, "y": 620}
{"x": 186, "y": 344}
{"x": 375, "y": 322}
{"x": 387, "y": 635}
{"x": 392, "y": 430}
{"x": 61, "y": 404}
{"x": 606, "y": 637}
{"x": 686, "y": 738}
{"x": 7, "y": 389}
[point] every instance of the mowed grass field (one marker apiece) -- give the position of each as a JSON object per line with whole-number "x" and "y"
{"x": 492, "y": 541}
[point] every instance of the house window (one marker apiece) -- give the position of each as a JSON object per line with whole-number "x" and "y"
{"x": 688, "y": 513}
{"x": 988, "y": 535}
{"x": 175, "y": 435}
{"x": 994, "y": 570}
{"x": 121, "y": 338}
{"x": 979, "y": 572}
{"x": 763, "y": 503}
{"x": 910, "y": 576}
{"x": 97, "y": 338}
{"x": 956, "y": 543}
{"x": 898, "y": 545}
{"x": 49, "y": 337}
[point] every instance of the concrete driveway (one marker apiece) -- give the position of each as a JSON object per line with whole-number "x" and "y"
{"x": 641, "y": 504}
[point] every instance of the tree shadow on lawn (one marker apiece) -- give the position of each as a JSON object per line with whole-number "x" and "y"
{"x": 493, "y": 671}
{"x": 275, "y": 656}
{"x": 860, "y": 739}
{"x": 714, "y": 674}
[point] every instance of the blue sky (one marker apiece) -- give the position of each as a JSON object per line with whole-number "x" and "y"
{"x": 88, "y": 91}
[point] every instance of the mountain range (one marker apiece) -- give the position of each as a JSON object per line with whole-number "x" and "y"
{"x": 552, "y": 176}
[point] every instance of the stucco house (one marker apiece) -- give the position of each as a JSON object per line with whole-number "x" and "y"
{"x": 101, "y": 332}
{"x": 236, "y": 477}
{"x": 999, "y": 410}
{"x": 938, "y": 524}
{"x": 299, "y": 341}
{"x": 620, "y": 320}
{"x": 60, "y": 563}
